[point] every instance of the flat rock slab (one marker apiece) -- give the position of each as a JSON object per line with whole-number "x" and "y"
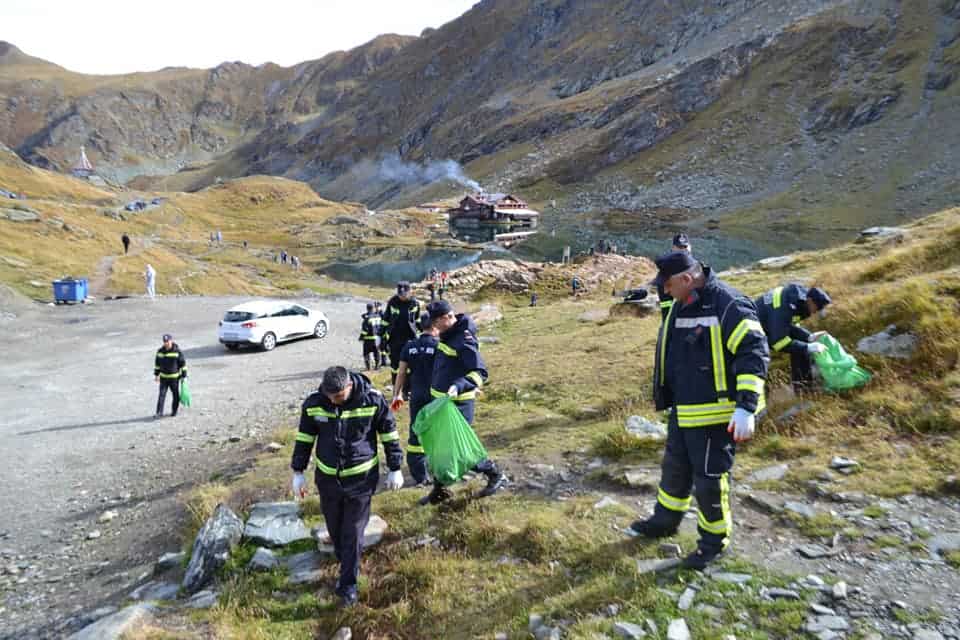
{"x": 655, "y": 565}
{"x": 641, "y": 479}
{"x": 154, "y": 590}
{"x": 275, "y": 524}
{"x": 372, "y": 535}
{"x": 263, "y": 560}
{"x": 203, "y": 599}
{"x": 123, "y": 622}
{"x": 814, "y": 551}
{"x": 769, "y": 474}
{"x": 628, "y": 630}
{"x": 168, "y": 561}
{"x": 732, "y": 578}
{"x": 305, "y": 567}
{"x": 678, "y": 630}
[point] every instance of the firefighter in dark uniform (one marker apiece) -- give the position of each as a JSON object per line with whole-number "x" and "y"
{"x": 400, "y": 317}
{"x": 680, "y": 243}
{"x": 459, "y": 372}
{"x": 416, "y": 365}
{"x": 779, "y": 311}
{"x": 344, "y": 419}
{"x": 710, "y": 369}
{"x": 169, "y": 367}
{"x": 370, "y": 336}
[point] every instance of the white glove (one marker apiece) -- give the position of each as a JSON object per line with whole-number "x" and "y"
{"x": 394, "y": 480}
{"x": 816, "y": 347}
{"x": 299, "y": 485}
{"x": 741, "y": 425}
{"x": 816, "y": 335}
{"x": 452, "y": 391}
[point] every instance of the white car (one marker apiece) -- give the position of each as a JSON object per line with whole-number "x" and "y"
{"x": 267, "y": 323}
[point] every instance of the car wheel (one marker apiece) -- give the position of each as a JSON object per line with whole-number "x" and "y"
{"x": 269, "y": 342}
{"x": 232, "y": 346}
{"x": 320, "y": 331}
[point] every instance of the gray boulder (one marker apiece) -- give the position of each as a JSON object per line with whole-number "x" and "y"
{"x": 203, "y": 599}
{"x": 305, "y": 567}
{"x": 769, "y": 474}
{"x": 212, "y": 546}
{"x": 944, "y": 543}
{"x": 678, "y": 630}
{"x": 372, "y": 535}
{"x": 122, "y": 623}
{"x": 155, "y": 590}
{"x": 628, "y": 630}
{"x": 263, "y": 560}
{"x": 275, "y": 524}
{"x": 19, "y": 215}
{"x": 646, "y": 429}
{"x": 881, "y": 233}
{"x": 889, "y": 344}
{"x": 168, "y": 561}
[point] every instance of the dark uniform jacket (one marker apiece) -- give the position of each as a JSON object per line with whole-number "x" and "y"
{"x": 370, "y": 327}
{"x": 458, "y": 362}
{"x": 170, "y": 363}
{"x": 779, "y": 311}
{"x": 419, "y": 355}
{"x": 402, "y": 319}
{"x": 665, "y": 301}
{"x": 711, "y": 356}
{"x": 346, "y": 436}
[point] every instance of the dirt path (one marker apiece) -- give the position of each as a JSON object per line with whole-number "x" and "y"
{"x": 77, "y": 392}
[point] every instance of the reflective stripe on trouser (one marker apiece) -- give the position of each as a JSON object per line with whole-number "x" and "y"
{"x": 346, "y": 510}
{"x": 416, "y": 456}
{"x": 697, "y": 463}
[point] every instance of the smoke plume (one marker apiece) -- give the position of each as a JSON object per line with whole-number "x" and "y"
{"x": 393, "y": 168}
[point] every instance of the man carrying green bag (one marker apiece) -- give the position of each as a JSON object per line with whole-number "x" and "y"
{"x": 458, "y": 373}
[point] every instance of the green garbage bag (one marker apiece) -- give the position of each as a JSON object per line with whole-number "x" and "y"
{"x": 838, "y": 368}
{"x": 451, "y": 446}
{"x": 185, "y": 398}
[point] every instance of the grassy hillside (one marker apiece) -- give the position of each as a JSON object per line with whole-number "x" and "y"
{"x": 558, "y": 395}
{"x": 74, "y": 229}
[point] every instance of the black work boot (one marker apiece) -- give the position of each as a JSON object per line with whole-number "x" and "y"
{"x": 699, "y": 559}
{"x": 438, "y": 494}
{"x": 495, "y": 481}
{"x": 650, "y": 529}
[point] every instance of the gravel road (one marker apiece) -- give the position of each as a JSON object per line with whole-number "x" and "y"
{"x": 77, "y": 396}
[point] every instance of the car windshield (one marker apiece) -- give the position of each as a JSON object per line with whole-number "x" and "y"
{"x": 238, "y": 316}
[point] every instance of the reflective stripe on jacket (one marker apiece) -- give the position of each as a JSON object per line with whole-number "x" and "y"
{"x": 779, "y": 311}
{"x": 170, "y": 363}
{"x": 345, "y": 437}
{"x": 458, "y": 362}
{"x": 711, "y": 356}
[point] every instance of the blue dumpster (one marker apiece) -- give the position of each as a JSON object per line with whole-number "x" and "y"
{"x": 70, "y": 290}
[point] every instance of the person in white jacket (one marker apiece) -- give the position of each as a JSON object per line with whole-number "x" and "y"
{"x": 150, "y": 277}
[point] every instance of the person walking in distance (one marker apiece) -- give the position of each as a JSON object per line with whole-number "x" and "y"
{"x": 150, "y": 278}
{"x": 370, "y": 337}
{"x": 169, "y": 367}
{"x": 125, "y": 239}
{"x": 401, "y": 318}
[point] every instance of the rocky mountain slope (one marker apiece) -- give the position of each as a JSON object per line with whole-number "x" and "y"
{"x": 772, "y": 121}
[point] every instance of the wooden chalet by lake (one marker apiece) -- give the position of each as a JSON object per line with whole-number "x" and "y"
{"x": 495, "y": 208}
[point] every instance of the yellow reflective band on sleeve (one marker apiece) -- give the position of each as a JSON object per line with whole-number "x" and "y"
{"x": 389, "y": 437}
{"x": 666, "y": 304}
{"x": 349, "y": 471}
{"x": 748, "y": 382}
{"x": 415, "y": 449}
{"x": 475, "y": 378}
{"x": 663, "y": 345}
{"x": 674, "y": 504}
{"x": 362, "y": 412}
{"x": 468, "y": 395}
{"x": 306, "y": 437}
{"x": 719, "y": 364}
{"x": 779, "y": 345}
{"x": 777, "y": 297}
{"x": 450, "y": 351}
{"x": 320, "y": 411}
{"x": 745, "y": 326}
{"x": 169, "y": 354}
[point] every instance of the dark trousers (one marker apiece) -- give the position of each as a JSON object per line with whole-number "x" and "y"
{"x": 395, "y": 350}
{"x": 126, "y": 246}
{"x": 801, "y": 369}
{"x": 416, "y": 457}
{"x": 174, "y": 385}
{"x": 371, "y": 347}
{"x": 346, "y": 509}
{"x": 697, "y": 459}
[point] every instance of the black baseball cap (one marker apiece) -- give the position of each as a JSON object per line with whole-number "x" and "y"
{"x": 681, "y": 240}
{"x": 167, "y": 337}
{"x": 670, "y": 264}
{"x": 820, "y": 297}
{"x": 439, "y": 308}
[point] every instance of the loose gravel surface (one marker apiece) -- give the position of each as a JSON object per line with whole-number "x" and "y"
{"x": 78, "y": 395}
